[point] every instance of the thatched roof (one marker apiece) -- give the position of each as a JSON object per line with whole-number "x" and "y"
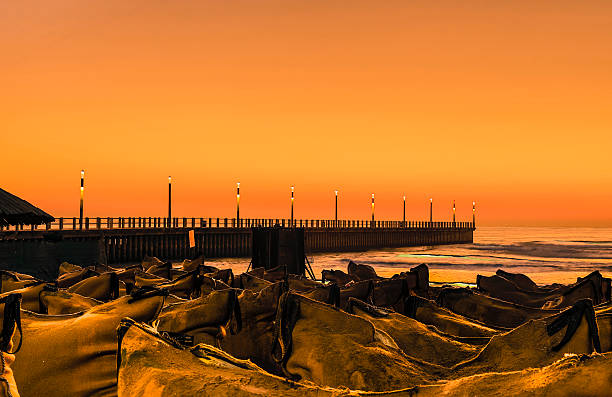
{"x": 15, "y": 211}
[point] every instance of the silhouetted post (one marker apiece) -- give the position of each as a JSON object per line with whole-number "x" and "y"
{"x": 430, "y": 210}
{"x": 372, "y": 208}
{"x": 404, "y": 213}
{"x": 454, "y": 210}
{"x": 292, "y": 198}
{"x": 336, "y": 212}
{"x": 169, "y": 202}
{"x": 473, "y": 214}
{"x": 81, "y": 206}
{"x": 238, "y": 204}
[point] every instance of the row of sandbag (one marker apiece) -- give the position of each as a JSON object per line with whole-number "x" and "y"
{"x": 308, "y": 341}
{"x": 299, "y": 338}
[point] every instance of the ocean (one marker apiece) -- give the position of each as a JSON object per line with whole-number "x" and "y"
{"x": 546, "y": 254}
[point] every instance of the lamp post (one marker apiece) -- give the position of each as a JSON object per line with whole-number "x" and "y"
{"x": 238, "y": 204}
{"x": 473, "y": 214}
{"x": 454, "y": 210}
{"x": 81, "y": 204}
{"x": 372, "y": 209}
{"x": 404, "y": 213}
{"x": 169, "y": 202}
{"x": 430, "y": 210}
{"x": 336, "y": 211}
{"x": 292, "y": 199}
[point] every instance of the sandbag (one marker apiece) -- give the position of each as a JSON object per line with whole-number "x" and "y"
{"x": 149, "y": 261}
{"x": 10, "y": 281}
{"x": 76, "y": 354}
{"x": 186, "y": 286}
{"x": 225, "y": 275}
{"x": 349, "y": 353}
{"x": 11, "y": 325}
{"x": 30, "y": 296}
{"x": 209, "y": 284}
{"x": 206, "y": 320}
{"x": 487, "y": 310}
{"x": 604, "y": 325}
{"x": 537, "y": 343}
{"x": 189, "y": 265}
{"x": 362, "y": 290}
{"x": 54, "y": 301}
{"x": 67, "y": 280}
{"x": 142, "y": 279}
{"x": 150, "y": 365}
{"x": 66, "y": 267}
{"x": 255, "y": 339}
{"x": 253, "y": 283}
{"x": 574, "y": 375}
{"x": 361, "y": 272}
{"x": 336, "y": 276}
{"x": 428, "y": 312}
{"x": 414, "y": 338}
{"x": 392, "y": 292}
{"x": 104, "y": 287}
{"x": 520, "y": 280}
{"x": 161, "y": 270}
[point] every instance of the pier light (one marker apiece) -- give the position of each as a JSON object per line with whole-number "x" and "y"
{"x": 81, "y": 201}
{"x": 404, "y": 212}
{"x": 237, "y": 202}
{"x": 431, "y": 210}
{"x": 169, "y": 202}
{"x": 292, "y": 199}
{"x": 454, "y": 210}
{"x": 372, "y": 207}
{"x": 336, "y": 211}
{"x": 473, "y": 213}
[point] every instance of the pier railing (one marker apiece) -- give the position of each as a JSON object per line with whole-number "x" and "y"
{"x": 108, "y": 223}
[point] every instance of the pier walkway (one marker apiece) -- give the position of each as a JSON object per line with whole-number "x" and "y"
{"x": 125, "y": 240}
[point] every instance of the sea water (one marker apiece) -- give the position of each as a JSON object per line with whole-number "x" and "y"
{"x": 545, "y": 254}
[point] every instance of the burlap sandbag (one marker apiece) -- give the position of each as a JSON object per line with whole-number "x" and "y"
{"x": 142, "y": 279}
{"x": 209, "y": 284}
{"x": 428, "y": 312}
{"x": 69, "y": 279}
{"x": 361, "y": 272}
{"x": 255, "y": 339}
{"x": 161, "y": 270}
{"x": 414, "y": 338}
{"x": 487, "y": 310}
{"x": 189, "y": 265}
{"x": 76, "y": 354}
{"x": 252, "y": 283}
{"x": 150, "y": 365}
{"x": 538, "y": 343}
{"x": 56, "y": 301}
{"x": 575, "y": 375}
{"x": 149, "y": 261}
{"x": 66, "y": 267}
{"x": 207, "y": 319}
{"x": 10, "y": 281}
{"x": 319, "y": 343}
{"x": 30, "y": 297}
{"x": 104, "y": 287}
{"x": 10, "y": 342}
{"x": 336, "y": 276}
{"x": 520, "y": 280}
{"x": 604, "y": 325}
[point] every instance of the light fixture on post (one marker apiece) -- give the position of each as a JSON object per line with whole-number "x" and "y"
{"x": 81, "y": 203}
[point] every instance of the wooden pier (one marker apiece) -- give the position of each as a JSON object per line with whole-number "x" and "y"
{"x": 125, "y": 240}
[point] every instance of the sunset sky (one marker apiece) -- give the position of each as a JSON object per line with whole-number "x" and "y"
{"x": 508, "y": 103}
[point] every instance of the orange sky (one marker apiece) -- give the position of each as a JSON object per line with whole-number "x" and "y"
{"x": 508, "y": 103}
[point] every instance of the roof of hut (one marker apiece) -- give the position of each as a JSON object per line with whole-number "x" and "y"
{"x": 15, "y": 211}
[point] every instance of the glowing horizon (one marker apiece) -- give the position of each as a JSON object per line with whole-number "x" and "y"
{"x": 504, "y": 104}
